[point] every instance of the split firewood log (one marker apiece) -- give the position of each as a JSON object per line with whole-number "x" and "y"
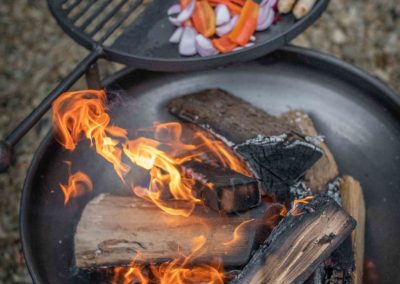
{"x": 240, "y": 125}
{"x": 114, "y": 230}
{"x": 300, "y": 242}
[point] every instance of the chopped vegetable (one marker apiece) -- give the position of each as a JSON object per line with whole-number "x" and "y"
{"x": 224, "y": 44}
{"x": 246, "y": 24}
{"x": 302, "y": 8}
{"x": 204, "y": 18}
{"x": 222, "y": 15}
{"x": 285, "y": 6}
{"x": 234, "y": 8}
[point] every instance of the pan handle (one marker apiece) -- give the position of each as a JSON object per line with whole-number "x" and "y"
{"x": 7, "y": 145}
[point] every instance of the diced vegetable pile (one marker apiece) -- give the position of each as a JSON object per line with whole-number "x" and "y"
{"x": 209, "y": 27}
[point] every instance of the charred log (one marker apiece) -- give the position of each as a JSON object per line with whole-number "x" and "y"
{"x": 298, "y": 245}
{"x": 236, "y": 121}
{"x": 278, "y": 161}
{"x": 221, "y": 188}
{"x": 325, "y": 169}
{"x": 113, "y": 230}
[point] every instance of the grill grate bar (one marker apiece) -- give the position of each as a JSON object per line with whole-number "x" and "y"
{"x": 107, "y": 18}
{"x": 72, "y": 6}
{"x": 121, "y": 20}
{"x": 83, "y": 11}
{"x": 95, "y": 14}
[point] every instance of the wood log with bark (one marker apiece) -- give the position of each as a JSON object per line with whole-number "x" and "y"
{"x": 300, "y": 242}
{"x": 113, "y": 230}
{"x": 239, "y": 123}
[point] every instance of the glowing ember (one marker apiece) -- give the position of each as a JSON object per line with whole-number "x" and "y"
{"x": 176, "y": 271}
{"x": 78, "y": 184}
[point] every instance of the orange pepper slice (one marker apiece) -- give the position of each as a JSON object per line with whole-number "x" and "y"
{"x": 234, "y": 8}
{"x": 224, "y": 44}
{"x": 247, "y": 23}
{"x": 203, "y": 18}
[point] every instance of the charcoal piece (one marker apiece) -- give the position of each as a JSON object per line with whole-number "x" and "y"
{"x": 299, "y": 244}
{"x": 278, "y": 162}
{"x": 223, "y": 189}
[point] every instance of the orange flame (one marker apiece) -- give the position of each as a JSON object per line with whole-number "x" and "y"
{"x": 176, "y": 271}
{"x": 84, "y": 113}
{"x": 78, "y": 184}
{"x": 295, "y": 210}
{"x": 236, "y": 235}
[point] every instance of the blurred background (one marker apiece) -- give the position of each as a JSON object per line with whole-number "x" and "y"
{"x": 35, "y": 54}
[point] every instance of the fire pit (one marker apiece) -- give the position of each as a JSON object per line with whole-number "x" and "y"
{"x": 48, "y": 234}
{"x": 226, "y": 169}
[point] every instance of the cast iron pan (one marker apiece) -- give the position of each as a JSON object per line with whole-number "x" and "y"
{"x": 359, "y": 115}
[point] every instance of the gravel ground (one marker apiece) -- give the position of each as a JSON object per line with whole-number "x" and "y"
{"x": 35, "y": 53}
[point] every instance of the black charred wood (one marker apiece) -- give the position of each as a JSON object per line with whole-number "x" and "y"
{"x": 278, "y": 162}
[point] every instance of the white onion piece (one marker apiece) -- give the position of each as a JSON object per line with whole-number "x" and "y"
{"x": 187, "y": 46}
{"x": 176, "y": 36}
{"x": 228, "y": 27}
{"x": 271, "y": 3}
{"x": 222, "y": 14}
{"x": 263, "y": 14}
{"x": 204, "y": 46}
{"x": 249, "y": 44}
{"x": 184, "y": 15}
{"x": 252, "y": 38}
{"x": 174, "y": 9}
{"x": 267, "y": 22}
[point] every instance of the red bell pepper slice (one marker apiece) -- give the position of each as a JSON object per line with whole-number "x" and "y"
{"x": 203, "y": 18}
{"x": 247, "y": 23}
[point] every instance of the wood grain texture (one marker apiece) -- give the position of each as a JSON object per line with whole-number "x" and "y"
{"x": 113, "y": 230}
{"x": 299, "y": 244}
{"x": 353, "y": 202}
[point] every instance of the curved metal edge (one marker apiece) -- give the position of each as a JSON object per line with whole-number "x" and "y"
{"x": 391, "y": 100}
{"x": 326, "y": 61}
{"x": 194, "y": 63}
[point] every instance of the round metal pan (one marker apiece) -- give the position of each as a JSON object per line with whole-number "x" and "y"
{"x": 357, "y": 113}
{"x": 144, "y": 43}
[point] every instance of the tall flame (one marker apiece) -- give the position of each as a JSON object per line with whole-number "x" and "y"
{"x": 83, "y": 113}
{"x": 177, "y": 271}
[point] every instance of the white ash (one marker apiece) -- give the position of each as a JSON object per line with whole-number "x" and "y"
{"x": 261, "y": 139}
{"x": 299, "y": 191}
{"x": 315, "y": 140}
{"x": 333, "y": 190}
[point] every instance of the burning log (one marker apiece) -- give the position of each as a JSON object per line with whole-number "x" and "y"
{"x": 353, "y": 203}
{"x": 325, "y": 169}
{"x": 301, "y": 241}
{"x": 222, "y": 188}
{"x": 114, "y": 230}
{"x": 239, "y": 123}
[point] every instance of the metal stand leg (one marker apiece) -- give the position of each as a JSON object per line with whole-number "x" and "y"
{"x": 93, "y": 77}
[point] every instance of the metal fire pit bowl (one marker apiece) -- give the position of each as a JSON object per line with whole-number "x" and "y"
{"x": 357, "y": 113}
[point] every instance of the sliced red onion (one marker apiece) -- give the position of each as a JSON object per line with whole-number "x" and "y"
{"x": 271, "y": 3}
{"x": 222, "y": 14}
{"x": 174, "y": 9}
{"x": 184, "y": 15}
{"x": 187, "y": 46}
{"x": 267, "y": 22}
{"x": 227, "y": 28}
{"x": 205, "y": 46}
{"x": 263, "y": 14}
{"x": 176, "y": 36}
